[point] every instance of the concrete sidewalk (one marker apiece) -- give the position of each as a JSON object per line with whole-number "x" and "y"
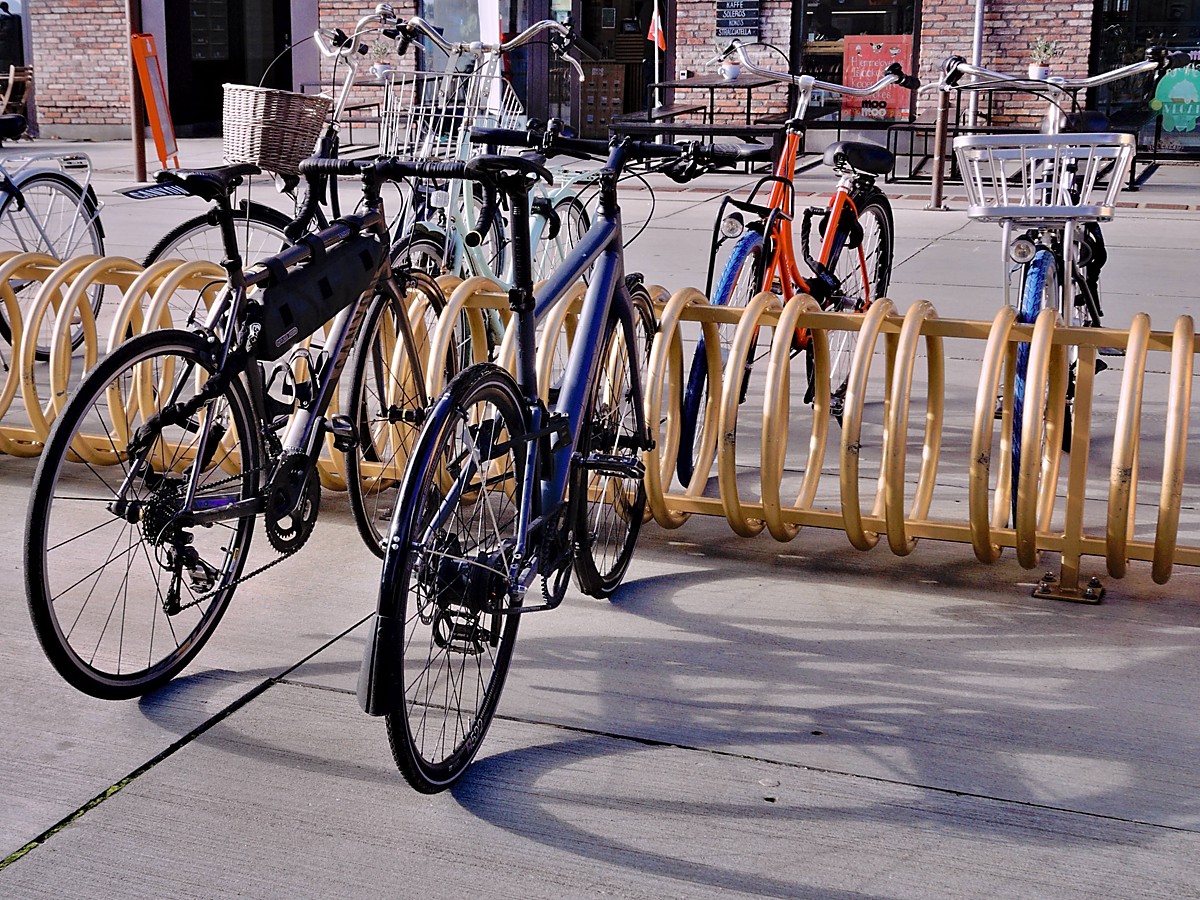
{"x": 745, "y": 718}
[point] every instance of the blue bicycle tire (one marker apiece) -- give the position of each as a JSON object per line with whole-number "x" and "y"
{"x": 1032, "y": 290}
{"x": 695, "y": 393}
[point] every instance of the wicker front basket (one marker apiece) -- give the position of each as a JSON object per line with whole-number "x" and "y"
{"x": 271, "y": 128}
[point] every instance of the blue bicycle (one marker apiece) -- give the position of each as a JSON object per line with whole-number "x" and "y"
{"x": 503, "y": 489}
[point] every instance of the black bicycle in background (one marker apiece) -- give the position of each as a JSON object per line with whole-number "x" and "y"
{"x": 161, "y": 465}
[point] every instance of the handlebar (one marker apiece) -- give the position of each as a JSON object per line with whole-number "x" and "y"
{"x": 688, "y": 160}
{"x": 561, "y": 40}
{"x": 894, "y": 74}
{"x": 1158, "y": 59}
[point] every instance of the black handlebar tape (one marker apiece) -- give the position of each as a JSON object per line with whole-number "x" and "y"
{"x": 487, "y": 218}
{"x": 504, "y": 137}
{"x": 734, "y": 153}
{"x": 388, "y": 169}
{"x": 647, "y": 150}
{"x": 1178, "y": 60}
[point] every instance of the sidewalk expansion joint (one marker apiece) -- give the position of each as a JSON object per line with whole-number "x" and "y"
{"x": 169, "y": 751}
{"x": 874, "y": 779}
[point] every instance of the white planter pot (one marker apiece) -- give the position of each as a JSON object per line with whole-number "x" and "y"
{"x": 1041, "y": 73}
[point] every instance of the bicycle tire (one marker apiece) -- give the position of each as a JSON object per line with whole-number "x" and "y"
{"x": 106, "y": 628}
{"x": 863, "y": 278}
{"x": 260, "y": 232}
{"x": 1040, "y": 282}
{"x": 610, "y": 506}
{"x": 55, "y": 205}
{"x": 386, "y": 406}
{"x": 573, "y": 224}
{"x": 741, "y": 279}
{"x": 450, "y": 582}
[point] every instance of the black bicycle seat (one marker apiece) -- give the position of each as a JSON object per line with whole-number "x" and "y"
{"x": 12, "y": 126}
{"x": 491, "y": 164}
{"x": 860, "y": 156}
{"x": 208, "y": 184}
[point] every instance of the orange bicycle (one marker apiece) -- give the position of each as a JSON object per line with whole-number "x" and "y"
{"x": 853, "y": 264}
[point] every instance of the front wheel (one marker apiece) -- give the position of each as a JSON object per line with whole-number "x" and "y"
{"x": 122, "y": 589}
{"x": 1039, "y": 289}
{"x": 62, "y": 220}
{"x": 447, "y": 572}
{"x": 862, "y": 264}
{"x": 740, "y": 280}
{"x": 608, "y": 489}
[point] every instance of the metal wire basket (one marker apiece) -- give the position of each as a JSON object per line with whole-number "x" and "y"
{"x": 429, "y": 115}
{"x": 273, "y": 129}
{"x": 1039, "y": 178}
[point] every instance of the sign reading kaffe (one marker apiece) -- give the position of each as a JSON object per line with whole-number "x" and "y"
{"x": 738, "y": 19}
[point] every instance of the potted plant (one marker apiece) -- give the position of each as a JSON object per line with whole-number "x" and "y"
{"x": 1040, "y": 55}
{"x": 380, "y": 68}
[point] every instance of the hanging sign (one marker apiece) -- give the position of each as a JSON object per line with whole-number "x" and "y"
{"x": 740, "y": 19}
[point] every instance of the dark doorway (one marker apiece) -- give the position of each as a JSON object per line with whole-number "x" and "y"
{"x": 210, "y": 42}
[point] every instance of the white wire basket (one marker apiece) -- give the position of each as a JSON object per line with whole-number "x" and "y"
{"x": 1039, "y": 178}
{"x": 429, "y": 115}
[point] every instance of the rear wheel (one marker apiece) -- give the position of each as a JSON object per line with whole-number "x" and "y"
{"x": 863, "y": 267}
{"x": 609, "y": 492}
{"x": 123, "y": 592}
{"x": 62, "y": 220}
{"x": 448, "y": 564}
{"x": 260, "y": 233}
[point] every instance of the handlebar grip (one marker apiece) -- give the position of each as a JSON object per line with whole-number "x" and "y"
{"x": 504, "y": 137}
{"x": 487, "y": 217}
{"x": 733, "y": 153}
{"x": 319, "y": 166}
{"x": 1179, "y": 59}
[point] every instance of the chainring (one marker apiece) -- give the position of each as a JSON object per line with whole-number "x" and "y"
{"x": 288, "y": 528}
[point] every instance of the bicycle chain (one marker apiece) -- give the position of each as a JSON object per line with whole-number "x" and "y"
{"x": 247, "y": 576}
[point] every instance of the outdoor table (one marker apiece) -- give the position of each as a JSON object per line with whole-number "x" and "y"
{"x": 712, "y": 83}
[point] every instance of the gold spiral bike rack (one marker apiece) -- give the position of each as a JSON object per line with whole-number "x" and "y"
{"x": 870, "y": 453}
{"x": 1048, "y": 514}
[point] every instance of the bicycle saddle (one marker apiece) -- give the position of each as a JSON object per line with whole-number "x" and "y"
{"x": 12, "y": 126}
{"x": 208, "y": 184}
{"x": 495, "y": 165}
{"x": 860, "y": 156}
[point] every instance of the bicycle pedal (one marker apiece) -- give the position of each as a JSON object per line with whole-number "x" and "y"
{"x": 342, "y": 429}
{"x": 615, "y": 466}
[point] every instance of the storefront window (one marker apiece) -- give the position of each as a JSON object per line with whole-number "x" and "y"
{"x": 851, "y": 42}
{"x": 1124, "y": 29}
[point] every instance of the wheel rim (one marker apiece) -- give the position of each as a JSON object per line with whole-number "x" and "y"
{"x": 456, "y": 648}
{"x": 104, "y": 581}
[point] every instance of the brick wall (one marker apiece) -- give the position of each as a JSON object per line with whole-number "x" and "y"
{"x": 81, "y": 60}
{"x": 1010, "y": 27}
{"x": 696, "y": 42}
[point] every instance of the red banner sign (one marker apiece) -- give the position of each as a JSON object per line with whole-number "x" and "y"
{"x": 864, "y": 59}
